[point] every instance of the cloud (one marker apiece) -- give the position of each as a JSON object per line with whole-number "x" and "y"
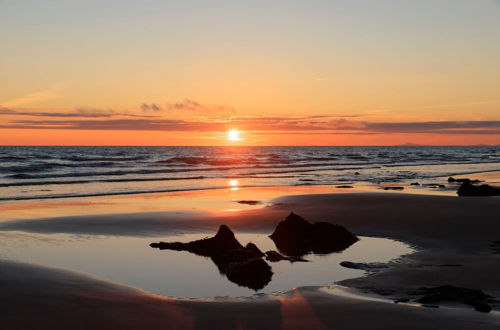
{"x": 150, "y": 107}
{"x": 79, "y": 112}
{"x": 33, "y": 98}
{"x": 280, "y": 125}
{"x": 190, "y": 105}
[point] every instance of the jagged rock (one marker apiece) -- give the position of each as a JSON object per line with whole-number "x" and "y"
{"x": 223, "y": 241}
{"x": 450, "y": 293}
{"x": 296, "y": 237}
{"x": 468, "y": 189}
{"x": 242, "y": 265}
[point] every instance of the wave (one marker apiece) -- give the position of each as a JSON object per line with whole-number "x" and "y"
{"x": 41, "y": 183}
{"x": 101, "y": 158}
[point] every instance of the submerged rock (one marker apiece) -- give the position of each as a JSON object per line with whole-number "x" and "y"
{"x": 242, "y": 265}
{"x": 449, "y": 293}
{"x": 468, "y": 189}
{"x": 296, "y": 237}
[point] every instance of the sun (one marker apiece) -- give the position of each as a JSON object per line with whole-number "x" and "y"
{"x": 233, "y": 135}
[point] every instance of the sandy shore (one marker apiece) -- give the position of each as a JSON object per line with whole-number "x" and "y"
{"x": 452, "y": 235}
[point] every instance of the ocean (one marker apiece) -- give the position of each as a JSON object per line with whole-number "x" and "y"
{"x": 56, "y": 172}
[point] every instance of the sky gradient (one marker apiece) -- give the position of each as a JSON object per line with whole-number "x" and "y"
{"x": 357, "y": 72}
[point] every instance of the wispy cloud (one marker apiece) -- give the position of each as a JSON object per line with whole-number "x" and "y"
{"x": 77, "y": 113}
{"x": 150, "y": 107}
{"x": 194, "y": 106}
{"x": 35, "y": 98}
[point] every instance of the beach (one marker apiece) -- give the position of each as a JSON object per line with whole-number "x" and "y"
{"x": 451, "y": 239}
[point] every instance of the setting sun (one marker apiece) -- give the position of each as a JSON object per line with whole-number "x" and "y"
{"x": 233, "y": 135}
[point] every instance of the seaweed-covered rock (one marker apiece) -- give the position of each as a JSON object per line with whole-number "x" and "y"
{"x": 449, "y": 293}
{"x": 468, "y": 189}
{"x": 296, "y": 237}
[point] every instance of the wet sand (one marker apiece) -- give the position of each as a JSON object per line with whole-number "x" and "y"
{"x": 453, "y": 236}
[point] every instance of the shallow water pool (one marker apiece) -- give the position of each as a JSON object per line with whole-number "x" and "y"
{"x": 130, "y": 260}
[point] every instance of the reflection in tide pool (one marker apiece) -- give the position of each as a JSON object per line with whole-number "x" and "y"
{"x": 131, "y": 261}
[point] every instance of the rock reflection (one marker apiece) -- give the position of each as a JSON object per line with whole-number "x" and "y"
{"x": 242, "y": 265}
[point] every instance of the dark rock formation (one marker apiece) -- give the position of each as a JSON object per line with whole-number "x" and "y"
{"x": 249, "y": 202}
{"x": 345, "y": 187}
{"x": 468, "y": 189}
{"x": 415, "y": 184}
{"x": 222, "y": 242}
{"x": 296, "y": 237}
{"x": 242, "y": 265}
{"x": 362, "y": 265}
{"x": 453, "y": 180}
{"x": 449, "y": 293}
{"x": 394, "y": 188}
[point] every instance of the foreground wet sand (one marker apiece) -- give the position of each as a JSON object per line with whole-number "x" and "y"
{"x": 453, "y": 236}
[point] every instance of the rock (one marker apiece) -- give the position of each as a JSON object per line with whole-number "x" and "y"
{"x": 414, "y": 184}
{"x": 401, "y": 300}
{"x": 249, "y": 202}
{"x": 296, "y": 237}
{"x": 468, "y": 189}
{"x": 453, "y": 180}
{"x": 450, "y": 293}
{"x": 361, "y": 265}
{"x": 223, "y": 241}
{"x": 357, "y": 173}
{"x": 242, "y": 265}
{"x": 394, "y": 188}
{"x": 482, "y": 307}
{"x": 275, "y": 256}
{"x": 249, "y": 252}
{"x": 254, "y": 274}
{"x": 344, "y": 187}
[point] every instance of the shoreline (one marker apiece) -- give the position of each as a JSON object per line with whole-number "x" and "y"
{"x": 363, "y": 185}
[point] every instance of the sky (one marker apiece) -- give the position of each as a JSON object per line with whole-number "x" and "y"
{"x": 316, "y": 72}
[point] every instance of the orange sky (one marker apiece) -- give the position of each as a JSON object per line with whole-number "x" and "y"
{"x": 282, "y": 72}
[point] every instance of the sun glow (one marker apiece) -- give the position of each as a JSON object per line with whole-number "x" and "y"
{"x": 233, "y": 135}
